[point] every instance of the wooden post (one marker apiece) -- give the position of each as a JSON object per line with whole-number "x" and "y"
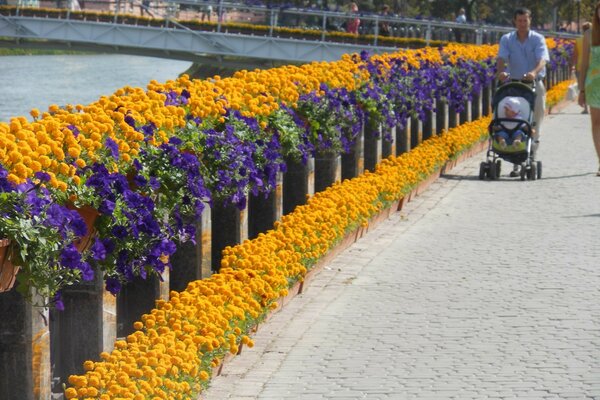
{"x": 298, "y": 182}
{"x": 372, "y": 146}
{"x": 233, "y": 229}
{"x": 353, "y": 162}
{"x": 265, "y": 209}
{"x": 415, "y": 132}
{"x": 193, "y": 261}
{"x": 486, "y": 101}
{"x": 476, "y": 106}
{"x": 86, "y": 327}
{"x": 388, "y": 144}
{"x": 328, "y": 170}
{"x": 452, "y": 117}
{"x": 403, "y": 138}
{"x": 427, "y": 125}
{"x": 25, "y": 372}
{"x": 139, "y": 297}
{"x": 441, "y": 116}
{"x": 465, "y": 115}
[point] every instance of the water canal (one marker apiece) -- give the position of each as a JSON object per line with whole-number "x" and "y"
{"x": 37, "y": 81}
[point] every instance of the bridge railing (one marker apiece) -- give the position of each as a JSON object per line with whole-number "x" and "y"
{"x": 311, "y": 23}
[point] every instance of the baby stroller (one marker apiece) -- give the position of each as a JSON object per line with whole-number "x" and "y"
{"x": 522, "y": 155}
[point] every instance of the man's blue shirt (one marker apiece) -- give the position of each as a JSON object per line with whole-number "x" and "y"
{"x": 522, "y": 57}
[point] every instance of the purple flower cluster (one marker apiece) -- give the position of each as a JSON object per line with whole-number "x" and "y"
{"x": 561, "y": 55}
{"x": 44, "y": 233}
{"x": 395, "y": 94}
{"x": 238, "y": 156}
{"x": 330, "y": 121}
{"x": 131, "y": 234}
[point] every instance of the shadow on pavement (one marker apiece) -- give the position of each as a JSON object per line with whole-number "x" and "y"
{"x": 544, "y": 178}
{"x": 581, "y": 216}
{"x": 460, "y": 177}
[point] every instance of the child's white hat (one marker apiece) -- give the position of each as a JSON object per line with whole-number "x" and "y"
{"x": 513, "y": 104}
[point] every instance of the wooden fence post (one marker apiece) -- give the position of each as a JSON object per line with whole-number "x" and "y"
{"x": 265, "y": 209}
{"x": 476, "y": 106}
{"x": 415, "y": 132}
{"x": 452, "y": 117}
{"x": 403, "y": 137}
{"x": 25, "y": 372}
{"x": 233, "y": 229}
{"x": 328, "y": 170}
{"x": 298, "y": 182}
{"x": 86, "y": 327}
{"x": 441, "y": 116}
{"x": 427, "y": 125}
{"x": 486, "y": 101}
{"x": 193, "y": 261}
{"x": 465, "y": 114}
{"x": 372, "y": 146}
{"x": 353, "y": 162}
{"x": 139, "y": 297}
{"x": 388, "y": 143}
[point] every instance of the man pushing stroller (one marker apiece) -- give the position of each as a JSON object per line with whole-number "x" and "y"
{"x": 522, "y": 55}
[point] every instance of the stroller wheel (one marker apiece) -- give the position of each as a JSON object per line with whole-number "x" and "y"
{"x": 498, "y": 168}
{"x": 532, "y": 173}
{"x": 539, "y": 169}
{"x": 523, "y": 172}
{"x": 492, "y": 171}
{"x": 482, "y": 170}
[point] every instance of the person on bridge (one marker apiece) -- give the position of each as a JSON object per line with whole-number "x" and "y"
{"x": 353, "y": 23}
{"x": 460, "y": 19}
{"x": 384, "y": 26}
{"x": 589, "y": 77}
{"x": 145, "y": 7}
{"x": 525, "y": 53}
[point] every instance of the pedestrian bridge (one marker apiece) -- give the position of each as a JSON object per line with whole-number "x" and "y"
{"x": 174, "y": 30}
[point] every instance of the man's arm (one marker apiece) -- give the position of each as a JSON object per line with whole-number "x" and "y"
{"x": 535, "y": 71}
{"x": 501, "y": 73}
{"x": 541, "y": 55}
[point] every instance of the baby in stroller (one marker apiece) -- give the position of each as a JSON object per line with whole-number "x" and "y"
{"x": 510, "y": 133}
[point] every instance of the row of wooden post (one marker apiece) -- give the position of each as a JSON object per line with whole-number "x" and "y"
{"x": 39, "y": 349}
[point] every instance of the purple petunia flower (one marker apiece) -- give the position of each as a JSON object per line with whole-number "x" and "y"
{"x": 113, "y": 285}
{"x": 98, "y": 250}
{"x": 58, "y": 301}
{"x": 112, "y": 147}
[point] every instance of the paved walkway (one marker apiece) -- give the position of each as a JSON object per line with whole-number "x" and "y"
{"x": 476, "y": 290}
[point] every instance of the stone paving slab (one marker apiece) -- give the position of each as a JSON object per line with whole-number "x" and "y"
{"x": 475, "y": 290}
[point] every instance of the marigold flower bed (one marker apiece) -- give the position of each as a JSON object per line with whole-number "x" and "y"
{"x": 178, "y": 345}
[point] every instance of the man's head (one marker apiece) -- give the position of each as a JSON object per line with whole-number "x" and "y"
{"x": 522, "y": 20}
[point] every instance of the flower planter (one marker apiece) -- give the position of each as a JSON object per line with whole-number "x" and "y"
{"x": 8, "y": 271}
{"x": 89, "y": 215}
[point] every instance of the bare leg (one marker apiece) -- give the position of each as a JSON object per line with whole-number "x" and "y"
{"x": 595, "y": 114}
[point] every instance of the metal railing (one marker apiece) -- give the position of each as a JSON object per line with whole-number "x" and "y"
{"x": 273, "y": 21}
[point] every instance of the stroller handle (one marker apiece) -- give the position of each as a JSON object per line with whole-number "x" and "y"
{"x": 530, "y": 83}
